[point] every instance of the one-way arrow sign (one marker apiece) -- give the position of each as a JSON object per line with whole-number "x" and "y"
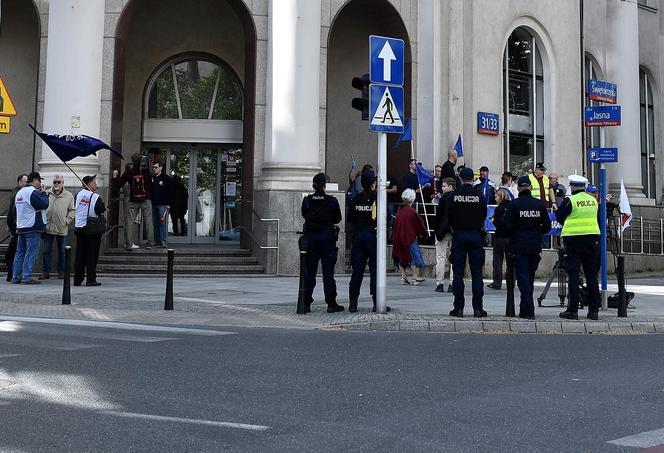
{"x": 386, "y": 56}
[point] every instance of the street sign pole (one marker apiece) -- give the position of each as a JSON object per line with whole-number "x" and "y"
{"x": 602, "y": 225}
{"x": 381, "y": 213}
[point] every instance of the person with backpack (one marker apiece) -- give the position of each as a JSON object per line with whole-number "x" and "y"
{"x": 140, "y": 202}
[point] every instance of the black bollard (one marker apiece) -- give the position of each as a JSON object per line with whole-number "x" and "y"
{"x": 301, "y": 302}
{"x": 168, "y": 302}
{"x": 509, "y": 281}
{"x": 66, "y": 289}
{"x": 622, "y": 294}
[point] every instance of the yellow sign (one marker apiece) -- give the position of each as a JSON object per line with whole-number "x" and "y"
{"x": 4, "y": 124}
{"x": 6, "y": 105}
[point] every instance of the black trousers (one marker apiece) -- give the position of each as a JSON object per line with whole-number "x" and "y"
{"x": 87, "y": 255}
{"x": 9, "y": 256}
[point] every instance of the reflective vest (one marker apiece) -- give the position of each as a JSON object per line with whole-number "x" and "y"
{"x": 535, "y": 192}
{"x": 583, "y": 219}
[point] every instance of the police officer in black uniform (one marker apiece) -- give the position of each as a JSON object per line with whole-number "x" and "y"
{"x": 526, "y": 220}
{"x": 362, "y": 215}
{"x": 321, "y": 213}
{"x": 466, "y": 213}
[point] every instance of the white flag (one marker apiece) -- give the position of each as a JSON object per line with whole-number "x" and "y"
{"x": 625, "y": 209}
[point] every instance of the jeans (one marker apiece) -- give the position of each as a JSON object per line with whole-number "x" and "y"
{"x": 160, "y": 226}
{"x": 61, "y": 241}
{"x": 27, "y": 249}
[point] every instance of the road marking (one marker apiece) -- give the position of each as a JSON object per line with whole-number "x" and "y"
{"x": 47, "y": 344}
{"x": 188, "y": 420}
{"x": 643, "y": 440}
{"x": 118, "y": 325}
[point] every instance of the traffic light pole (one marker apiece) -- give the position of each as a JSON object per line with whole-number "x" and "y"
{"x": 381, "y": 214}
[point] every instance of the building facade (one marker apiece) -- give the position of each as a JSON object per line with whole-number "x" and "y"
{"x": 245, "y": 100}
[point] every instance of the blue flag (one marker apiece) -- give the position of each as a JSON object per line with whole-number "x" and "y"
{"x": 406, "y": 135}
{"x": 423, "y": 175}
{"x": 458, "y": 147}
{"x": 68, "y": 147}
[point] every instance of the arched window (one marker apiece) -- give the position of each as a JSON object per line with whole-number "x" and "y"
{"x": 195, "y": 88}
{"x": 592, "y": 136}
{"x": 523, "y": 88}
{"x": 647, "y": 135}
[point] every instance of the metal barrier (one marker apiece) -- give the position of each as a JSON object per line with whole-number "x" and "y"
{"x": 643, "y": 237}
{"x": 258, "y": 244}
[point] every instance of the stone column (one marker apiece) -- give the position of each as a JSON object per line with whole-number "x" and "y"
{"x": 293, "y": 95}
{"x": 73, "y": 81}
{"x": 623, "y": 69}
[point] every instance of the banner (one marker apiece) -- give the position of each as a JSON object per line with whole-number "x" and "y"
{"x": 556, "y": 228}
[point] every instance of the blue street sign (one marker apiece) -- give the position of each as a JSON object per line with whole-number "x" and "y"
{"x": 386, "y": 108}
{"x": 599, "y": 90}
{"x": 386, "y": 60}
{"x": 608, "y": 115}
{"x": 603, "y": 155}
{"x": 488, "y": 123}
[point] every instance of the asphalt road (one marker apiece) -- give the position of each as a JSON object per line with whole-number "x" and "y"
{"x": 76, "y": 388}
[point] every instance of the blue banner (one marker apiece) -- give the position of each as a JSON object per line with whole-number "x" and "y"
{"x": 556, "y": 228}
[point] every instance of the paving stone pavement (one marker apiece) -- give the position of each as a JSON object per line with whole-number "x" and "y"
{"x": 265, "y": 301}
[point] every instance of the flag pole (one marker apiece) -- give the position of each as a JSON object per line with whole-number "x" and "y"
{"x": 426, "y": 217}
{"x": 75, "y": 174}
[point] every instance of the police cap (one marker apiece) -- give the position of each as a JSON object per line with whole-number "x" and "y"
{"x": 467, "y": 174}
{"x": 577, "y": 181}
{"x": 591, "y": 188}
{"x": 523, "y": 181}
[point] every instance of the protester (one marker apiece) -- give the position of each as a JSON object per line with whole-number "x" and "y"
{"x": 501, "y": 238}
{"x": 60, "y": 213}
{"x": 443, "y": 237}
{"x": 140, "y": 202}
{"x": 448, "y": 167}
{"x": 161, "y": 190}
{"x": 485, "y": 186}
{"x": 410, "y": 180}
{"x": 393, "y": 199}
{"x": 21, "y": 182}
{"x": 405, "y": 249}
{"x": 559, "y": 190}
{"x": 88, "y": 205}
{"x": 507, "y": 183}
{"x": 31, "y": 203}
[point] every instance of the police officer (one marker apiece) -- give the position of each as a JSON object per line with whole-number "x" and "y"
{"x": 578, "y": 215}
{"x": 321, "y": 212}
{"x": 362, "y": 215}
{"x": 526, "y": 220}
{"x": 466, "y": 213}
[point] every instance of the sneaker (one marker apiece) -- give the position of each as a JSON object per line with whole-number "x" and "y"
{"x": 449, "y": 289}
{"x": 149, "y": 245}
{"x": 418, "y": 281}
{"x": 440, "y": 288}
{"x": 31, "y": 281}
{"x": 405, "y": 281}
{"x": 334, "y": 308}
{"x": 480, "y": 314}
{"x": 44, "y": 276}
{"x": 163, "y": 245}
{"x": 569, "y": 315}
{"x": 93, "y": 284}
{"x": 493, "y": 286}
{"x": 132, "y": 247}
{"x": 16, "y": 281}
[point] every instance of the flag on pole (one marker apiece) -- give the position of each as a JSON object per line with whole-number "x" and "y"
{"x": 406, "y": 135}
{"x": 625, "y": 209}
{"x": 423, "y": 175}
{"x": 68, "y": 147}
{"x": 458, "y": 147}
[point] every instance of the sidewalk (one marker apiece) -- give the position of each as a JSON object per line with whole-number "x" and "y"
{"x": 265, "y": 301}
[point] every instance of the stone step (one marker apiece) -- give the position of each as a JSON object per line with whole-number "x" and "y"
{"x": 179, "y": 252}
{"x": 125, "y": 269}
{"x": 205, "y": 260}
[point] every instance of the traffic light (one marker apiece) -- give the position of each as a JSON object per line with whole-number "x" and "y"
{"x": 362, "y": 103}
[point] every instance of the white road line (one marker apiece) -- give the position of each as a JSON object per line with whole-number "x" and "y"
{"x": 117, "y": 325}
{"x": 642, "y": 440}
{"x": 188, "y": 420}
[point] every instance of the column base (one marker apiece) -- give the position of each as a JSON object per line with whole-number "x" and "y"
{"x": 285, "y": 205}
{"x": 634, "y": 193}
{"x": 49, "y": 168}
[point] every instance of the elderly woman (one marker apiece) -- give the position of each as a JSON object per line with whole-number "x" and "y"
{"x": 405, "y": 249}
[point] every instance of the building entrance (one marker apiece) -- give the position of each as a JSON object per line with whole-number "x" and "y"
{"x": 207, "y": 192}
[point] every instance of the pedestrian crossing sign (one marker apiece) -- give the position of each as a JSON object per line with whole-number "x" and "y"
{"x": 6, "y": 105}
{"x": 386, "y": 108}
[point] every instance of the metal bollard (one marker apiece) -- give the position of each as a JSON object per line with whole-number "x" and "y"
{"x": 301, "y": 302}
{"x": 66, "y": 289}
{"x": 622, "y": 294}
{"x": 509, "y": 281}
{"x": 168, "y": 302}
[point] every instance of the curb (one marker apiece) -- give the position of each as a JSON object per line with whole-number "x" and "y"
{"x": 502, "y": 327}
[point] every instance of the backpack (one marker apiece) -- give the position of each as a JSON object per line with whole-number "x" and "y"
{"x": 137, "y": 189}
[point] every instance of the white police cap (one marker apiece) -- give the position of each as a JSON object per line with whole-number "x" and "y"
{"x": 577, "y": 180}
